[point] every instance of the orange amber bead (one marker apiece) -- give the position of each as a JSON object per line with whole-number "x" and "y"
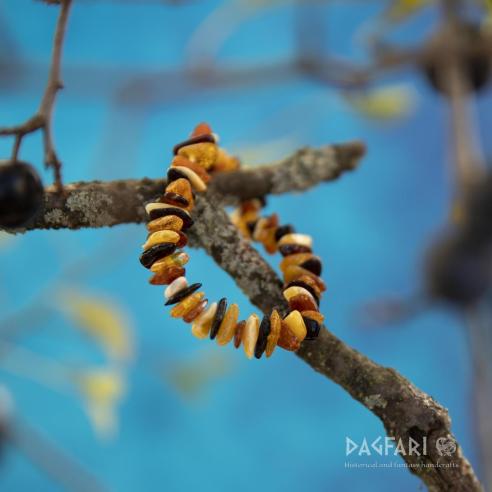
{"x": 182, "y": 161}
{"x": 201, "y": 129}
{"x": 181, "y": 187}
{"x": 228, "y": 326}
{"x": 225, "y": 162}
{"x": 178, "y": 259}
{"x": 302, "y": 302}
{"x": 195, "y": 312}
{"x": 167, "y": 276}
{"x": 316, "y": 315}
{"x": 275, "y": 326}
{"x": 238, "y": 334}
{"x": 204, "y": 154}
{"x": 287, "y": 340}
{"x": 169, "y": 222}
{"x": 187, "y": 304}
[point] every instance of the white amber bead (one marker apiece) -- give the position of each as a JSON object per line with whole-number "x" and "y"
{"x": 175, "y": 286}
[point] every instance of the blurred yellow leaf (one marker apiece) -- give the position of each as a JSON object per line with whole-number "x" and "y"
{"x": 101, "y": 319}
{"x": 102, "y": 391}
{"x": 383, "y": 103}
{"x": 399, "y": 10}
{"x": 190, "y": 378}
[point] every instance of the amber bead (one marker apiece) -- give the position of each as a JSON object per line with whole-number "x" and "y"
{"x": 253, "y": 205}
{"x": 250, "y": 335}
{"x": 194, "y": 140}
{"x": 302, "y": 302}
{"x": 310, "y": 282}
{"x": 161, "y": 237}
{"x": 239, "y": 223}
{"x": 204, "y": 153}
{"x": 294, "y": 260}
{"x": 287, "y": 339}
{"x": 178, "y": 259}
{"x": 187, "y": 304}
{"x": 195, "y": 312}
{"x": 202, "y": 129}
{"x": 165, "y": 209}
{"x": 181, "y": 187}
{"x": 295, "y": 291}
{"x": 225, "y": 162}
{"x": 174, "y": 199}
{"x": 169, "y": 222}
{"x": 275, "y": 326}
{"x": 219, "y": 316}
{"x": 292, "y": 249}
{"x": 175, "y": 286}
{"x": 263, "y": 333}
{"x": 181, "y": 161}
{"x": 156, "y": 253}
{"x": 202, "y": 324}
{"x": 182, "y": 294}
{"x": 312, "y": 328}
{"x": 183, "y": 240}
{"x": 167, "y": 276}
{"x": 294, "y": 238}
{"x": 313, "y": 265}
{"x": 228, "y": 326}
{"x": 196, "y": 182}
{"x": 294, "y": 272}
{"x": 238, "y": 334}
{"x": 283, "y": 230}
{"x": 264, "y": 233}
{"x": 316, "y": 315}
{"x": 296, "y": 324}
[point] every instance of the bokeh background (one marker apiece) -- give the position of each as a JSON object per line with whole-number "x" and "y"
{"x": 96, "y": 369}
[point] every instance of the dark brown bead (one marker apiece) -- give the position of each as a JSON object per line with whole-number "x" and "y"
{"x": 180, "y": 295}
{"x": 312, "y": 327}
{"x": 174, "y": 199}
{"x": 150, "y": 256}
{"x": 251, "y": 226}
{"x": 283, "y": 230}
{"x": 193, "y": 140}
{"x": 174, "y": 174}
{"x": 313, "y": 265}
{"x": 261, "y": 343}
{"x": 292, "y": 249}
{"x": 219, "y": 316}
{"x": 179, "y": 212}
{"x": 183, "y": 240}
{"x": 238, "y": 336}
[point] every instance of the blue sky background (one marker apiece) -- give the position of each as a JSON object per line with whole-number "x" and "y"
{"x": 267, "y": 425}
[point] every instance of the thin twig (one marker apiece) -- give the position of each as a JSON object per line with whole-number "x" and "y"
{"x": 42, "y": 120}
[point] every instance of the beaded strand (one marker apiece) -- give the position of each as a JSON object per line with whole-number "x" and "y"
{"x": 170, "y": 216}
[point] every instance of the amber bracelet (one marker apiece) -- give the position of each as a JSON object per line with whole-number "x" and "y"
{"x": 194, "y": 163}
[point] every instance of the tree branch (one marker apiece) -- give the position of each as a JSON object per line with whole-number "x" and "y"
{"x": 405, "y": 411}
{"x": 101, "y": 204}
